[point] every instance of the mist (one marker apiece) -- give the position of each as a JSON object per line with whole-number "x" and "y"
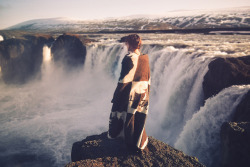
{"x": 40, "y": 120}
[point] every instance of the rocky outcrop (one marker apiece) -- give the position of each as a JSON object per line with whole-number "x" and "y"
{"x": 242, "y": 113}
{"x": 68, "y": 50}
{"x": 225, "y": 72}
{"x": 235, "y": 136}
{"x": 235, "y": 139}
{"x": 98, "y": 150}
{"x": 20, "y": 59}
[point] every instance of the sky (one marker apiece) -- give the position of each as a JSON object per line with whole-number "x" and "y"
{"x": 16, "y": 11}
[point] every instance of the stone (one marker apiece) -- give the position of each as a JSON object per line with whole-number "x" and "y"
{"x": 235, "y": 143}
{"x": 98, "y": 150}
{"x": 69, "y": 51}
{"x": 225, "y": 72}
{"x": 242, "y": 113}
{"x": 21, "y": 59}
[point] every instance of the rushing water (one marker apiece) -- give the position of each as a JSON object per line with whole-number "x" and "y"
{"x": 43, "y": 118}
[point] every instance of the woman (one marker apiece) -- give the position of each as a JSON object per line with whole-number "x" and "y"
{"x": 131, "y": 97}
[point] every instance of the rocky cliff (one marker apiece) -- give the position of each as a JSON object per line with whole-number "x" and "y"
{"x": 69, "y": 51}
{"x": 21, "y": 59}
{"x": 235, "y": 138}
{"x": 235, "y": 145}
{"x": 242, "y": 113}
{"x": 98, "y": 150}
{"x": 225, "y": 72}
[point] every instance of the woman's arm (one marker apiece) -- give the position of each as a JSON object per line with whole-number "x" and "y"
{"x": 127, "y": 65}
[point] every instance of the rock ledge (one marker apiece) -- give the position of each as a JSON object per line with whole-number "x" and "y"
{"x": 98, "y": 150}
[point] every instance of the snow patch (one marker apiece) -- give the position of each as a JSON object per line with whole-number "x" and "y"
{"x": 232, "y": 17}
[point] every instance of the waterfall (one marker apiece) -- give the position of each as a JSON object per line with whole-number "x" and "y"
{"x": 177, "y": 77}
{"x": 105, "y": 59}
{"x": 43, "y": 118}
{"x": 201, "y": 134}
{"x": 176, "y": 113}
{"x": 1, "y": 38}
{"x": 46, "y": 53}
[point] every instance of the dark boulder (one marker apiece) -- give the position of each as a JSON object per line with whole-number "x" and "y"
{"x": 20, "y": 59}
{"x": 235, "y": 142}
{"x": 68, "y": 50}
{"x": 242, "y": 113}
{"x": 225, "y": 72}
{"x": 98, "y": 150}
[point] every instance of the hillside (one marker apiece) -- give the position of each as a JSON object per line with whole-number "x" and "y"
{"x": 223, "y": 18}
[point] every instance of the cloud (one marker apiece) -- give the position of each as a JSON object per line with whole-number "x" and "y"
{"x": 3, "y": 7}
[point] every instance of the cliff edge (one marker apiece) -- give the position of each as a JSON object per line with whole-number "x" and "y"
{"x": 235, "y": 137}
{"x": 98, "y": 150}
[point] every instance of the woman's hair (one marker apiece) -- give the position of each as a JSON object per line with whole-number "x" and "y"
{"x": 134, "y": 41}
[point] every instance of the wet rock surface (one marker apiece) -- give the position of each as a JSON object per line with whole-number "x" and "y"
{"x": 225, "y": 72}
{"x": 69, "y": 51}
{"x": 242, "y": 113}
{"x": 235, "y": 145}
{"x": 21, "y": 59}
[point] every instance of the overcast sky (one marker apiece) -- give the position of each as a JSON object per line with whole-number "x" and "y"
{"x": 16, "y": 11}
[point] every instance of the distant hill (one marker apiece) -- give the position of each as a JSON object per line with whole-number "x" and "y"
{"x": 220, "y": 18}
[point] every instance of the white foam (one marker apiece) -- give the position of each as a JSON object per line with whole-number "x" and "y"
{"x": 201, "y": 135}
{"x": 177, "y": 78}
{"x": 46, "y": 53}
